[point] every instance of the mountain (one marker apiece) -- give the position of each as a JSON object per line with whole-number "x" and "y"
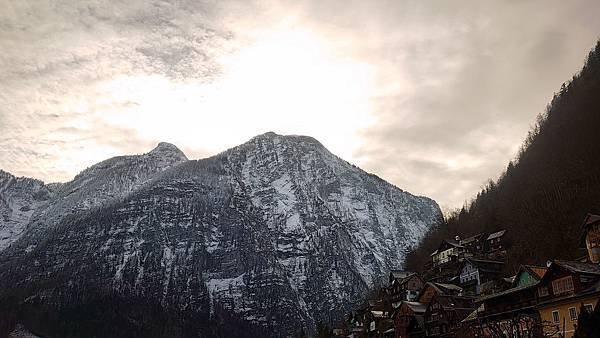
{"x": 28, "y": 202}
{"x": 19, "y": 198}
{"x": 544, "y": 195}
{"x": 266, "y": 238}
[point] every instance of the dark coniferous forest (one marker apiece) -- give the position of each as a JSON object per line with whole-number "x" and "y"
{"x": 544, "y": 194}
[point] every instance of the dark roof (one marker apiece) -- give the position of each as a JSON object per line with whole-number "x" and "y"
{"x": 471, "y": 239}
{"x": 453, "y": 243}
{"x": 587, "y": 221}
{"x": 401, "y": 274}
{"x": 484, "y": 262}
{"x": 506, "y": 292}
{"x": 447, "y": 242}
{"x": 591, "y": 219}
{"x": 579, "y": 267}
{"x": 455, "y": 303}
{"x": 496, "y": 234}
{"x": 416, "y": 307}
{"x": 443, "y": 288}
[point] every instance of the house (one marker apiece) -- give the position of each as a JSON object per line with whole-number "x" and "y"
{"x": 591, "y": 237}
{"x": 566, "y": 288}
{"x": 512, "y": 310}
{"x": 475, "y": 272}
{"x": 409, "y": 320}
{"x": 405, "y": 286}
{"x": 445, "y": 313}
{"x": 432, "y": 289}
{"x": 495, "y": 286}
{"x": 496, "y": 244}
{"x": 447, "y": 251}
{"x": 474, "y": 244}
{"x": 398, "y": 274}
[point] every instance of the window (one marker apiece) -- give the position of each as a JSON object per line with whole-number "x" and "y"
{"x": 543, "y": 291}
{"x": 573, "y": 314}
{"x": 555, "y": 317}
{"x": 588, "y": 308}
{"x": 562, "y": 285}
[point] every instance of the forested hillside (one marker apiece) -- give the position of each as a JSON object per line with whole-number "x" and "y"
{"x": 545, "y": 193}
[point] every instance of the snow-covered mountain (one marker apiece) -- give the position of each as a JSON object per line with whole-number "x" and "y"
{"x": 277, "y": 233}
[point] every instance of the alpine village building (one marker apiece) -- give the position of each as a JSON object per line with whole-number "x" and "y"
{"x": 462, "y": 292}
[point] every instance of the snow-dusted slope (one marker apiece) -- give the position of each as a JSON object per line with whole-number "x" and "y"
{"x": 32, "y": 204}
{"x": 19, "y": 198}
{"x": 277, "y": 231}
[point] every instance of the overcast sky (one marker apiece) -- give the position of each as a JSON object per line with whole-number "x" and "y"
{"x": 433, "y": 96}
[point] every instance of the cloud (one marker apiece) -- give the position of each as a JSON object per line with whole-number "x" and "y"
{"x": 455, "y": 85}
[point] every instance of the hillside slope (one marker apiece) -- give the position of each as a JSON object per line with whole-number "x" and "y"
{"x": 544, "y": 195}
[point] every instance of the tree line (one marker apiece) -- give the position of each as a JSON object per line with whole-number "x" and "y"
{"x": 544, "y": 194}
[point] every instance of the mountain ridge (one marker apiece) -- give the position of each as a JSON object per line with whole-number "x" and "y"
{"x": 263, "y": 232}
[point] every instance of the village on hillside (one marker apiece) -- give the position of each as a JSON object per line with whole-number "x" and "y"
{"x": 462, "y": 292}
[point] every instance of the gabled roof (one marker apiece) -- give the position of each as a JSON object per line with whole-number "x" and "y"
{"x": 484, "y": 263}
{"x": 416, "y": 307}
{"x": 496, "y": 234}
{"x": 536, "y": 272}
{"x": 471, "y": 239}
{"x": 506, "y": 292}
{"x": 451, "y": 302}
{"x": 447, "y": 243}
{"x": 401, "y": 274}
{"x": 587, "y": 221}
{"x": 590, "y": 219}
{"x": 579, "y": 267}
{"x": 443, "y": 288}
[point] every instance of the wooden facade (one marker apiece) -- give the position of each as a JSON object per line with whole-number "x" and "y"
{"x": 405, "y": 288}
{"x": 409, "y": 320}
{"x": 445, "y": 313}
{"x": 563, "y": 291}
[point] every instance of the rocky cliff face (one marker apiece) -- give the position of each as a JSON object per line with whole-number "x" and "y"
{"x": 278, "y": 233}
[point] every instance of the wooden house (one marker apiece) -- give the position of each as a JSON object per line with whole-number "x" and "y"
{"x": 432, "y": 289}
{"x": 409, "y": 320}
{"x": 447, "y": 251}
{"x": 405, "y": 286}
{"x": 591, "y": 237}
{"x": 567, "y": 287}
{"x": 444, "y": 314}
{"x": 475, "y": 271}
{"x": 512, "y": 310}
{"x": 496, "y": 245}
{"x": 474, "y": 244}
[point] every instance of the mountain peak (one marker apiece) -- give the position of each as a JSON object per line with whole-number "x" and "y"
{"x": 295, "y": 138}
{"x": 165, "y": 148}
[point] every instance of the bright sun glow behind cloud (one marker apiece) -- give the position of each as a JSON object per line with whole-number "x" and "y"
{"x": 287, "y": 82}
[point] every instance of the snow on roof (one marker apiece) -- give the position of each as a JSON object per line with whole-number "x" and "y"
{"x": 579, "y": 267}
{"x": 496, "y": 234}
{"x": 377, "y": 314}
{"x": 416, "y": 306}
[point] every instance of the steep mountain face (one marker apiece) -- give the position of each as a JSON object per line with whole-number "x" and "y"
{"x": 19, "y": 198}
{"x": 29, "y": 203}
{"x": 270, "y": 237}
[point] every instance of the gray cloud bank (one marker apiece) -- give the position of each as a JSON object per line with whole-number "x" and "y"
{"x": 459, "y": 82}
